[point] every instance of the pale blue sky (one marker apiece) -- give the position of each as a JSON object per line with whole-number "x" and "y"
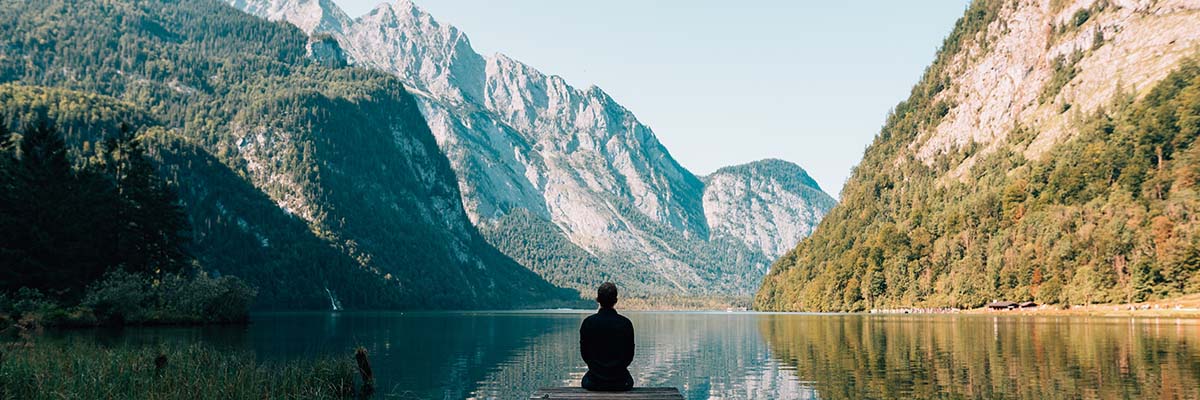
{"x": 725, "y": 82}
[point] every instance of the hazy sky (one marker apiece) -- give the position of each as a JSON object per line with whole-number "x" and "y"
{"x": 725, "y": 82}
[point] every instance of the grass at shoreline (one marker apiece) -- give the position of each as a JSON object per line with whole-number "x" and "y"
{"x": 66, "y": 369}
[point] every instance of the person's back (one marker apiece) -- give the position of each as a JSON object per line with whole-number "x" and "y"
{"x": 606, "y": 344}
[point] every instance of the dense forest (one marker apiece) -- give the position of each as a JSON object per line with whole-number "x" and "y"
{"x": 97, "y": 237}
{"x": 307, "y": 179}
{"x": 1109, "y": 215}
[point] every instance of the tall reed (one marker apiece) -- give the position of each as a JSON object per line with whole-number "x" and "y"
{"x": 78, "y": 369}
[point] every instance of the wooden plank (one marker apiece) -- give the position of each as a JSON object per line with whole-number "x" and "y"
{"x": 578, "y": 393}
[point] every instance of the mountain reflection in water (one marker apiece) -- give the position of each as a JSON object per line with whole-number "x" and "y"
{"x": 453, "y": 355}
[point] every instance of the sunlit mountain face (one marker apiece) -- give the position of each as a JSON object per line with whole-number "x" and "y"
{"x": 565, "y": 180}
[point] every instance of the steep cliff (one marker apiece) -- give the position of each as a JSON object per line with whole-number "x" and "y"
{"x": 1042, "y": 156}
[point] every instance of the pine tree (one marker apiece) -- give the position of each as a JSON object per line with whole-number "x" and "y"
{"x": 152, "y": 232}
{"x": 10, "y": 256}
{"x": 42, "y": 177}
{"x": 58, "y": 223}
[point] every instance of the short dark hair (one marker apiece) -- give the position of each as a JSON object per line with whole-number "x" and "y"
{"x": 606, "y": 294}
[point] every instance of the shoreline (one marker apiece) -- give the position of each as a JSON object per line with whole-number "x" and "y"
{"x": 1177, "y": 307}
{"x": 1109, "y": 310}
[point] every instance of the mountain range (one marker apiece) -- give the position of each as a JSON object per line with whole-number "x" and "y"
{"x": 380, "y": 162}
{"x": 566, "y": 180}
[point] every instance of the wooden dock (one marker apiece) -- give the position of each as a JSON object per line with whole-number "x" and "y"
{"x": 577, "y": 393}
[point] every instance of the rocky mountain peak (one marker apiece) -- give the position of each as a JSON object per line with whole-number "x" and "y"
{"x": 795, "y": 176}
{"x": 430, "y": 56}
{"x": 770, "y": 204}
{"x": 308, "y": 15}
{"x": 532, "y": 152}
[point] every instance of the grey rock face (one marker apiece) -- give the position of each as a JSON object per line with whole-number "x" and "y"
{"x": 522, "y": 140}
{"x": 1121, "y": 47}
{"x": 768, "y": 204}
{"x": 309, "y": 15}
{"x": 326, "y": 51}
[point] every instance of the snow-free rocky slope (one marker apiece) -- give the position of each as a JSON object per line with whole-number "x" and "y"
{"x": 565, "y": 180}
{"x": 769, "y": 204}
{"x": 1047, "y": 154}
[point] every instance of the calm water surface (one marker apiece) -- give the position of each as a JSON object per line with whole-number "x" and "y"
{"x": 744, "y": 355}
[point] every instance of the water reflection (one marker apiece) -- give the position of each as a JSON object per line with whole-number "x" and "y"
{"x": 853, "y": 357}
{"x": 705, "y": 355}
{"x": 740, "y": 356}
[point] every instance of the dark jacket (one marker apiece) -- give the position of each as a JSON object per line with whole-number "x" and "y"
{"x": 606, "y": 344}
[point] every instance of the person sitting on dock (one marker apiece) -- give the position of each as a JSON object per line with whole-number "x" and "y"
{"x": 606, "y": 344}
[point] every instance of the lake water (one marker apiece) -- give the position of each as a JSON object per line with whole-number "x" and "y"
{"x": 743, "y": 355}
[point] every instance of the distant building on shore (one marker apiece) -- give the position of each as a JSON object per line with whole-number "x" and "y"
{"x": 1009, "y": 305}
{"x": 1002, "y": 305}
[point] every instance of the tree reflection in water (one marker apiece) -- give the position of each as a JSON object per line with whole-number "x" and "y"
{"x": 992, "y": 357}
{"x": 508, "y": 355}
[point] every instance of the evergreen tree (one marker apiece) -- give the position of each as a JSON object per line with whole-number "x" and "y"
{"x": 153, "y": 226}
{"x": 48, "y": 232}
{"x": 9, "y": 223}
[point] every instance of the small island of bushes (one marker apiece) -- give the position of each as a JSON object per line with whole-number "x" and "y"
{"x": 122, "y": 298}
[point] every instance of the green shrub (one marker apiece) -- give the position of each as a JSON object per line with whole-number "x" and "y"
{"x": 31, "y": 301}
{"x": 204, "y": 299}
{"x": 33, "y": 304}
{"x": 136, "y": 299}
{"x": 1081, "y": 17}
{"x": 120, "y": 297}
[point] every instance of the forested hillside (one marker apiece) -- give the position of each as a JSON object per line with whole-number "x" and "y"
{"x": 1052, "y": 163}
{"x": 278, "y": 172}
